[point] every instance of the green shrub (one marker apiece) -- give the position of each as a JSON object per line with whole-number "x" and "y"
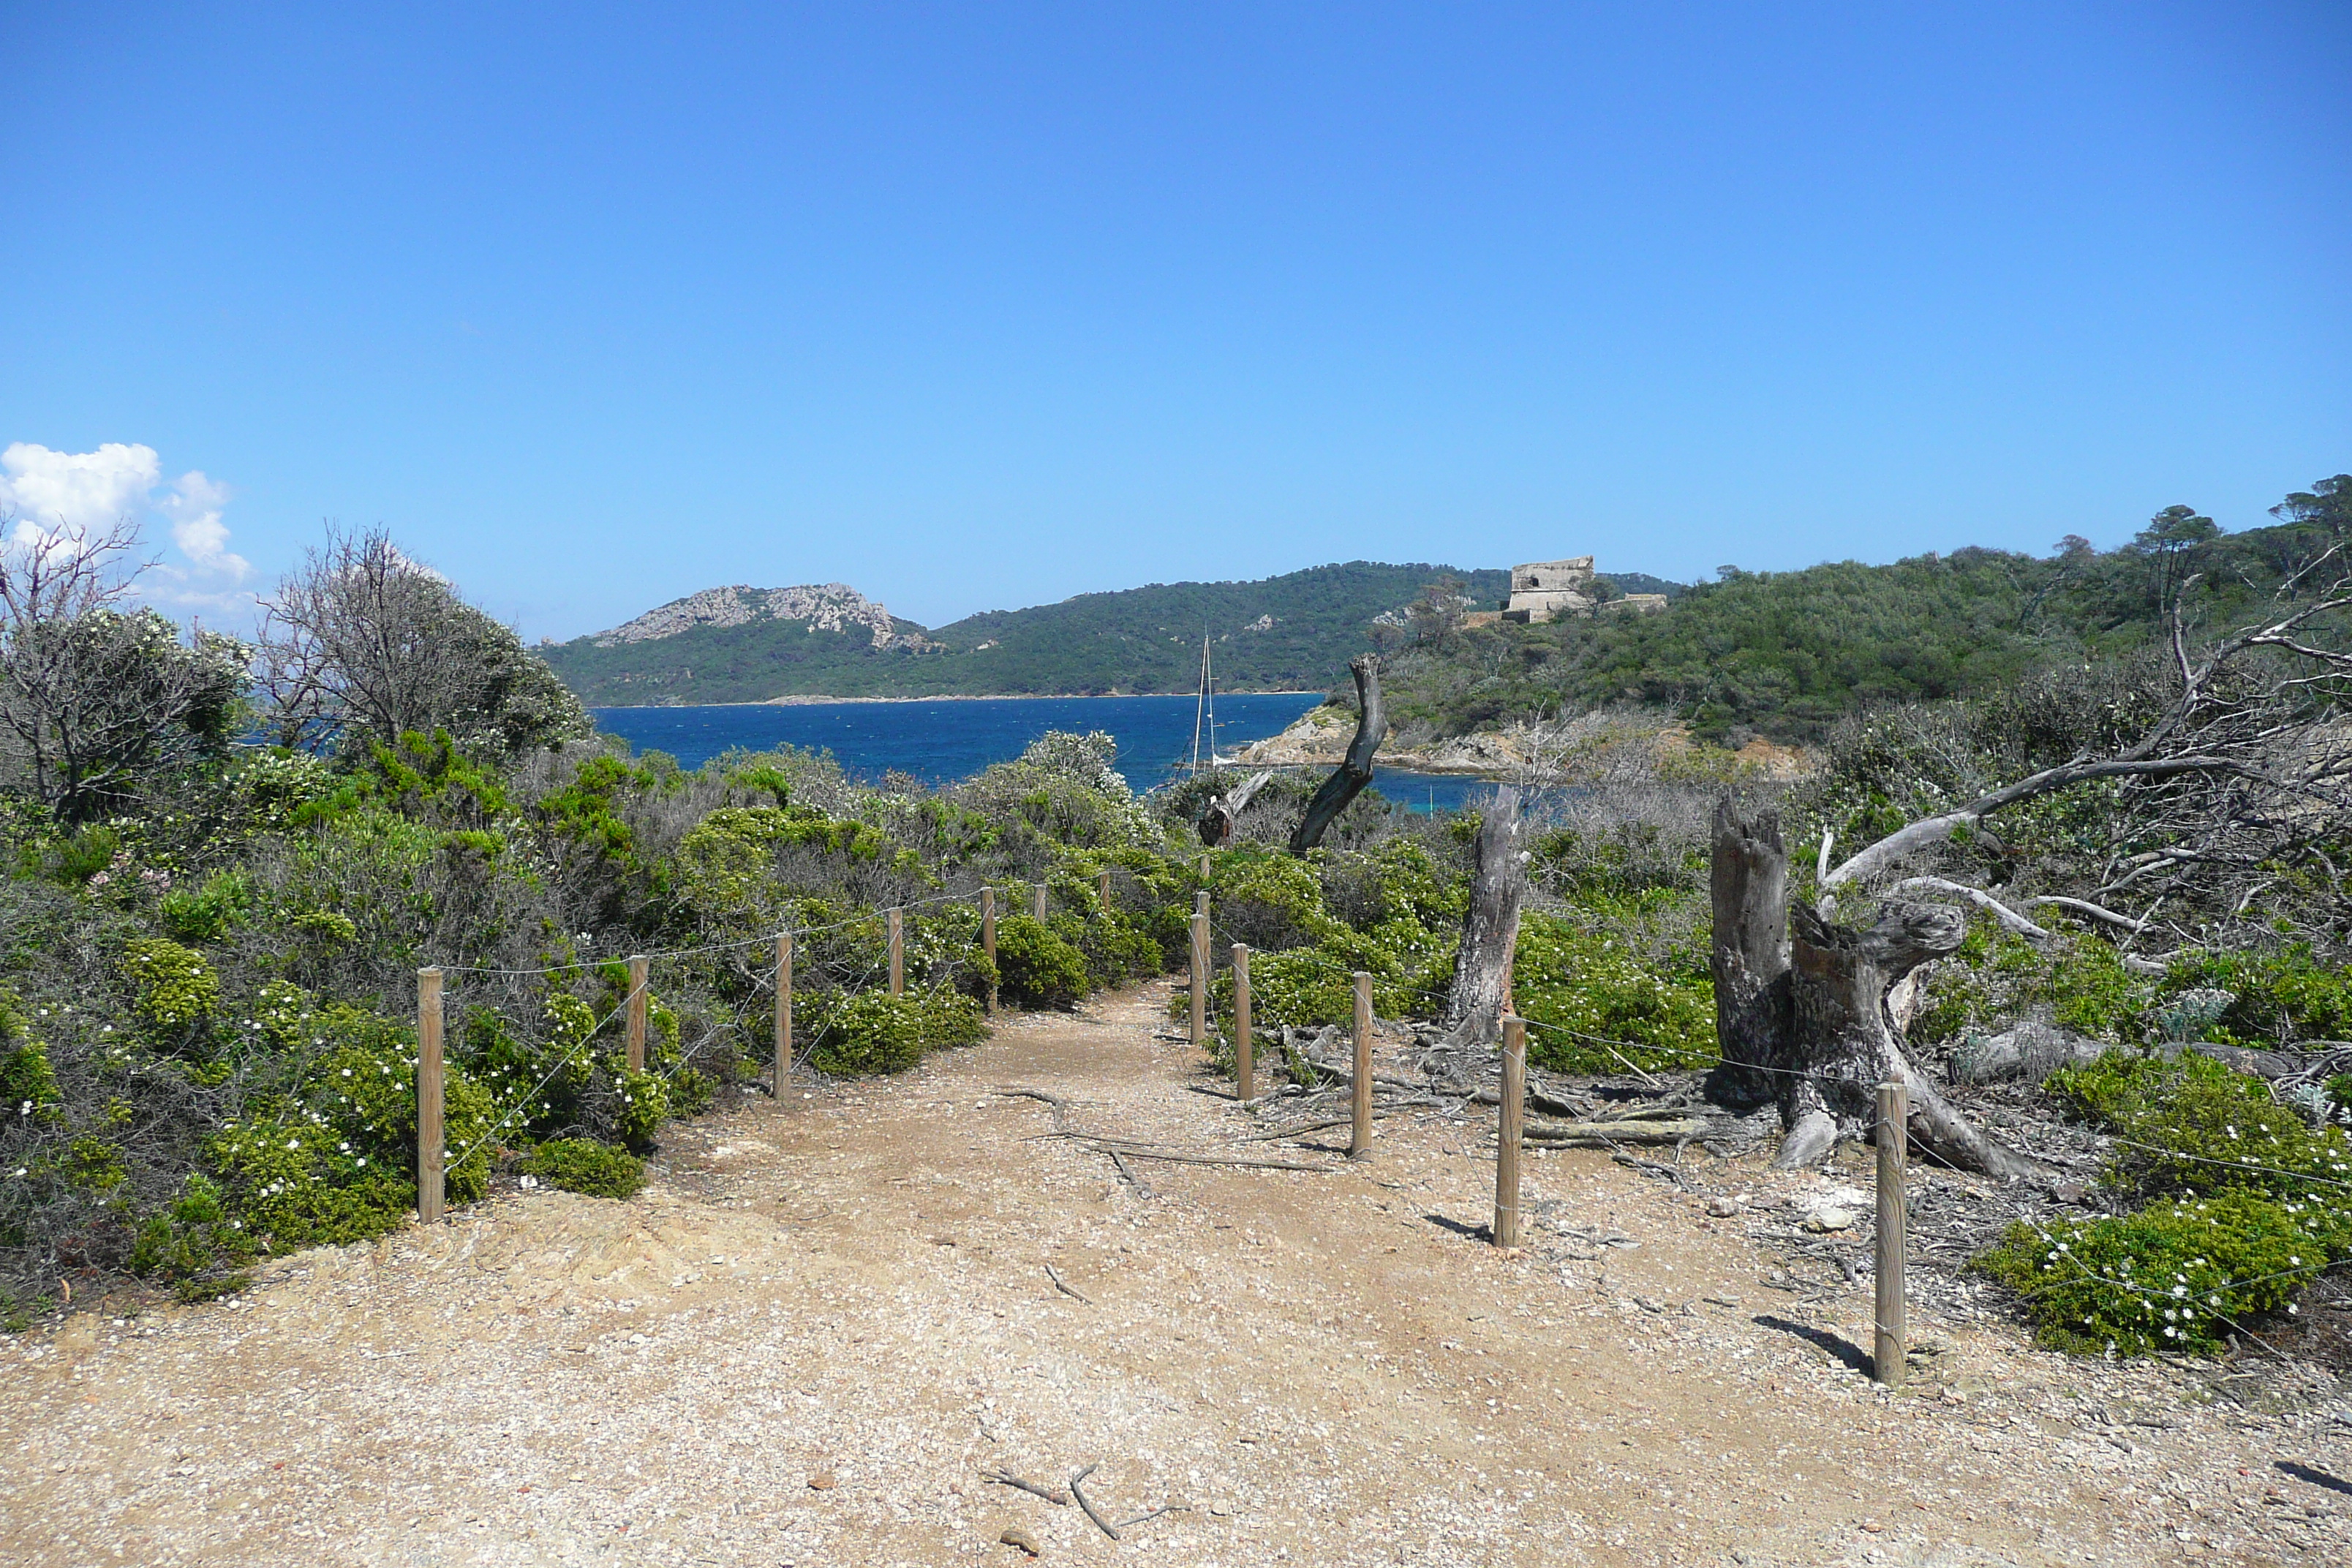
{"x": 326, "y": 927}
{"x": 1997, "y": 977}
{"x": 91, "y": 849}
{"x": 2256, "y": 1209}
{"x": 874, "y": 1032}
{"x": 209, "y": 913}
{"x": 175, "y": 989}
{"x": 29, "y": 1084}
{"x": 1580, "y": 982}
{"x": 581, "y": 1165}
{"x": 333, "y": 1161}
{"x": 193, "y": 1245}
{"x": 866, "y": 1032}
{"x": 2174, "y": 1277}
{"x": 2191, "y": 1125}
{"x": 1036, "y": 967}
{"x": 2274, "y": 998}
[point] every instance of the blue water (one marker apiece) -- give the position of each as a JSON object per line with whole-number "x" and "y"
{"x": 942, "y": 741}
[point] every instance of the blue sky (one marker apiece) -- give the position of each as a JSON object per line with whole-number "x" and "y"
{"x": 980, "y": 306}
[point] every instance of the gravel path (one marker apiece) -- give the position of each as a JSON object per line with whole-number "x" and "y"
{"x": 813, "y": 1335}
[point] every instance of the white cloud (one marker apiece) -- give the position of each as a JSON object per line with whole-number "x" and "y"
{"x": 77, "y": 492}
{"x": 194, "y": 508}
{"x": 56, "y": 495}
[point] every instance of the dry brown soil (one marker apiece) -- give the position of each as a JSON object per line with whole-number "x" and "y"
{"x": 826, "y": 1321}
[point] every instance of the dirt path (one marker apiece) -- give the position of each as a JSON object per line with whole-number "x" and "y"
{"x": 806, "y": 1342}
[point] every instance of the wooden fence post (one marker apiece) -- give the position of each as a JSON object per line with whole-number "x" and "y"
{"x": 1507, "y": 1136}
{"x": 1360, "y": 1105}
{"x": 1200, "y": 1029}
{"x": 897, "y": 952}
{"x": 1037, "y": 903}
{"x": 1244, "y": 1043}
{"x": 987, "y": 939}
{"x": 428, "y": 1096}
{"x": 1894, "y": 1149}
{"x": 638, "y": 967}
{"x": 1102, "y": 892}
{"x": 1204, "y": 868}
{"x": 783, "y": 1011}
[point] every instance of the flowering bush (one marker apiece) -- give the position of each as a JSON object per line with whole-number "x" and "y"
{"x": 333, "y": 1160}
{"x": 2174, "y": 1277}
{"x": 2259, "y": 1211}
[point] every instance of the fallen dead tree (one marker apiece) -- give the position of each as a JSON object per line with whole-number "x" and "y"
{"x": 1223, "y": 810}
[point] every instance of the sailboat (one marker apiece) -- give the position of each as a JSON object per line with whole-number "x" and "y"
{"x": 1205, "y": 716}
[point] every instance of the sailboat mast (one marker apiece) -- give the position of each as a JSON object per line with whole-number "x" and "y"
{"x": 1209, "y": 685}
{"x": 1200, "y": 707}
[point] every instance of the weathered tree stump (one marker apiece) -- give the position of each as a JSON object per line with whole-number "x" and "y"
{"x": 1490, "y": 928}
{"x": 1355, "y": 770}
{"x": 1845, "y": 1043}
{"x": 1802, "y": 1010}
{"x": 1749, "y": 888}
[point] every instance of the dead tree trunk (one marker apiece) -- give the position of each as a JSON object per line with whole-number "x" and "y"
{"x": 1748, "y": 886}
{"x": 1845, "y": 1042}
{"x": 1349, "y": 779}
{"x": 1217, "y": 819}
{"x": 1490, "y": 928}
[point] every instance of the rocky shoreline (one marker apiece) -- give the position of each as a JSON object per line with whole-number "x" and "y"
{"x": 1320, "y": 738}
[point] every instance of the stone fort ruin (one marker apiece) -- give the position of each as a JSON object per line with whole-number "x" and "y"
{"x": 1554, "y": 590}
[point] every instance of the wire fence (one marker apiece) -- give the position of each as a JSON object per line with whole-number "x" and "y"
{"x": 630, "y": 1004}
{"x": 767, "y": 977}
{"x": 2204, "y": 1299}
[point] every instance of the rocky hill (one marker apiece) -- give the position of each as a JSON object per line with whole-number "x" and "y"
{"x": 820, "y": 607}
{"x": 742, "y": 644}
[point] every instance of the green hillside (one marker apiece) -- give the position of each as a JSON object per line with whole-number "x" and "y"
{"x": 1783, "y": 654}
{"x": 1296, "y": 631}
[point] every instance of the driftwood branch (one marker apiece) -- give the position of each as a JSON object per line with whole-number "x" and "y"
{"x": 1118, "y": 1149}
{"x": 1929, "y": 830}
{"x": 1141, "y": 1186}
{"x": 2218, "y": 725}
{"x": 1349, "y": 779}
{"x": 1063, "y": 1285}
{"x": 2008, "y": 917}
{"x": 2084, "y": 907}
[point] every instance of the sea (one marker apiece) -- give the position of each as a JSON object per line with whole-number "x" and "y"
{"x": 942, "y": 740}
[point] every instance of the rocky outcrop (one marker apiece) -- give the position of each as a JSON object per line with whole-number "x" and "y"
{"x": 1320, "y": 738}
{"x": 825, "y": 606}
